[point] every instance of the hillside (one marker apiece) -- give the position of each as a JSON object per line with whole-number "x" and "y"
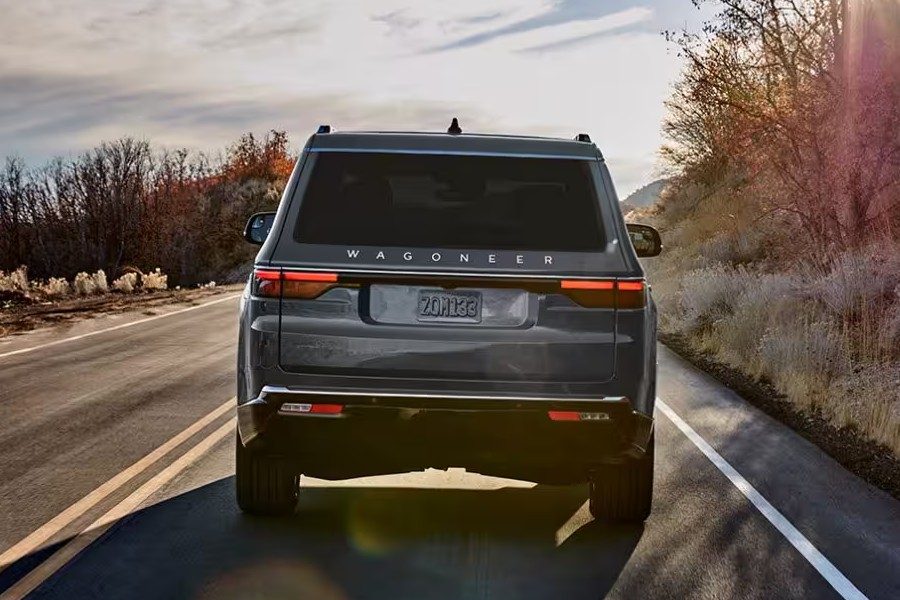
{"x": 644, "y": 196}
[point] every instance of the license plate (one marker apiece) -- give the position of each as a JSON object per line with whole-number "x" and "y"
{"x": 454, "y": 306}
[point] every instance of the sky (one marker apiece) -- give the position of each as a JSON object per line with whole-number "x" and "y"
{"x": 198, "y": 74}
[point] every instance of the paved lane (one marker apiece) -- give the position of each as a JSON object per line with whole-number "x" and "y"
{"x": 423, "y": 535}
{"x": 76, "y": 414}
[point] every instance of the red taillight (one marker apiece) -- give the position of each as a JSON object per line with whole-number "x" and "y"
{"x": 292, "y": 284}
{"x": 267, "y": 275}
{"x": 631, "y": 286}
{"x": 605, "y": 293}
{"x": 580, "y": 284}
{"x": 323, "y": 277}
{"x": 306, "y": 286}
{"x": 266, "y": 283}
{"x": 564, "y": 415}
{"x": 630, "y": 294}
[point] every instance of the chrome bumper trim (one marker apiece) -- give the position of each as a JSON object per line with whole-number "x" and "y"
{"x": 270, "y": 390}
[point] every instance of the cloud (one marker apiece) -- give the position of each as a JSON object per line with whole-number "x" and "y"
{"x": 200, "y": 73}
{"x": 77, "y": 112}
{"x": 575, "y": 24}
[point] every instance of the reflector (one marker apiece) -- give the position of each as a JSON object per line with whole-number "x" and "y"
{"x": 311, "y": 409}
{"x": 564, "y": 415}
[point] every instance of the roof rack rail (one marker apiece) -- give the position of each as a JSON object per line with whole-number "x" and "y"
{"x": 582, "y": 137}
{"x": 324, "y": 129}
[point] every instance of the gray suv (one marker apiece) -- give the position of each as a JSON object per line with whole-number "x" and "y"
{"x": 448, "y": 300}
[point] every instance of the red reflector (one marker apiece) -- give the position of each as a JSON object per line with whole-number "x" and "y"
{"x": 326, "y": 409}
{"x": 631, "y": 286}
{"x": 564, "y": 415}
{"x": 326, "y": 277}
{"x": 579, "y": 284}
{"x": 267, "y": 275}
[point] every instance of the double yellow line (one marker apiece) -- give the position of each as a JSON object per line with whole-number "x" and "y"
{"x": 92, "y": 532}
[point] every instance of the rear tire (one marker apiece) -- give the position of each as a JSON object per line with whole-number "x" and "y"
{"x": 624, "y": 493}
{"x": 264, "y": 485}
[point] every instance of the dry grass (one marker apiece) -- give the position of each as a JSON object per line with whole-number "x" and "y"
{"x": 154, "y": 280}
{"x": 126, "y": 283}
{"x": 827, "y": 338}
{"x": 15, "y": 281}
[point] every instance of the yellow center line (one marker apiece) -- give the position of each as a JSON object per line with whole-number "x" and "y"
{"x": 95, "y": 530}
{"x": 44, "y": 533}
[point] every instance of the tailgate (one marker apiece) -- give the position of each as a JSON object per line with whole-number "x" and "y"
{"x": 441, "y": 329}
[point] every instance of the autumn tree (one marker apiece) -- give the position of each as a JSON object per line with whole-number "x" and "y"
{"x": 798, "y": 99}
{"x": 123, "y": 204}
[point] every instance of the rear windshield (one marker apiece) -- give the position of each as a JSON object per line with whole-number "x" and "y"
{"x": 440, "y": 201}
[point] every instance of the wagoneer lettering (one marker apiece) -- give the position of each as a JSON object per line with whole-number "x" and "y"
{"x": 363, "y": 255}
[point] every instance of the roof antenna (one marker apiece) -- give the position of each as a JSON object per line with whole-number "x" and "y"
{"x": 454, "y": 127}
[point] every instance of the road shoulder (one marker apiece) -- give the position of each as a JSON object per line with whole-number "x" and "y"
{"x": 872, "y": 462}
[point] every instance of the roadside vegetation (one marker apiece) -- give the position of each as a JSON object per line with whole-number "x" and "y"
{"x": 125, "y": 206}
{"x": 16, "y": 288}
{"x": 782, "y": 216}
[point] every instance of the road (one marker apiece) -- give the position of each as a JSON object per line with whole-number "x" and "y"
{"x": 116, "y": 482}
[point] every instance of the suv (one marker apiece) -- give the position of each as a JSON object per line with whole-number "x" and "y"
{"x": 448, "y": 300}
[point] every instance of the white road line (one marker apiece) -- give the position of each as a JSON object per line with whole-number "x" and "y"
{"x": 44, "y": 533}
{"x": 117, "y": 327}
{"x": 45, "y": 570}
{"x": 826, "y": 569}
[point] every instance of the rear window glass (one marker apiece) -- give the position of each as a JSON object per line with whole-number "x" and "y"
{"x": 421, "y": 200}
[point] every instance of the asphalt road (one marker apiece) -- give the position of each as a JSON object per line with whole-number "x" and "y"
{"x": 97, "y": 500}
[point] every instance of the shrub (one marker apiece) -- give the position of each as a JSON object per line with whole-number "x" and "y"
{"x": 154, "y": 280}
{"x": 857, "y": 282}
{"x": 126, "y": 283}
{"x": 15, "y": 281}
{"x": 766, "y": 301}
{"x": 55, "y": 287}
{"x": 84, "y": 284}
{"x": 710, "y": 293}
{"x": 803, "y": 357}
{"x": 100, "y": 282}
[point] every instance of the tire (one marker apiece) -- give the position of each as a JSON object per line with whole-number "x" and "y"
{"x": 264, "y": 485}
{"x": 624, "y": 493}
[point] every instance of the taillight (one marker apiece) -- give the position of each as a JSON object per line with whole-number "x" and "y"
{"x": 306, "y": 286}
{"x": 605, "y": 293}
{"x": 630, "y": 294}
{"x": 294, "y": 284}
{"x": 267, "y": 283}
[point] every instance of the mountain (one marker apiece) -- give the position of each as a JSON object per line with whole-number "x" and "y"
{"x": 645, "y": 196}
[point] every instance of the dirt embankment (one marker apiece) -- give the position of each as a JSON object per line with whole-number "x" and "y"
{"x": 18, "y": 315}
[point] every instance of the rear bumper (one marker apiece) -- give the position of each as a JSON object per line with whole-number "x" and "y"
{"x": 495, "y": 435}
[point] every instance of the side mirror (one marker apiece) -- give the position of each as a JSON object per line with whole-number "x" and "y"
{"x": 645, "y": 239}
{"x": 258, "y": 227}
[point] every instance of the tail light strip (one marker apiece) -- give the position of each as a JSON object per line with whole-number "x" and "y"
{"x": 292, "y": 284}
{"x": 591, "y": 293}
{"x": 605, "y": 293}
